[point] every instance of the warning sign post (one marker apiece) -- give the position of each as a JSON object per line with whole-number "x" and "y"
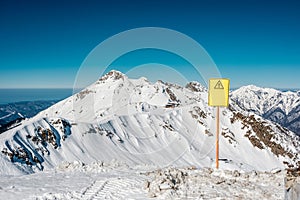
{"x": 218, "y": 92}
{"x": 218, "y": 96}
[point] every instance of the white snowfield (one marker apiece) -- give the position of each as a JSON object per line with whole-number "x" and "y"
{"x": 143, "y": 126}
{"x": 116, "y": 181}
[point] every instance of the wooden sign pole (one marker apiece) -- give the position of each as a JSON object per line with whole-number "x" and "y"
{"x": 217, "y": 137}
{"x": 218, "y": 96}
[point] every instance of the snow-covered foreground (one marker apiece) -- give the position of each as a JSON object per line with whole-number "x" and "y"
{"x": 114, "y": 180}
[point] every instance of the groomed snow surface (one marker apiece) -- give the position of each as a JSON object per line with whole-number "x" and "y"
{"x": 115, "y": 180}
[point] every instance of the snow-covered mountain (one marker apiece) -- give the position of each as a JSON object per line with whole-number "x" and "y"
{"x": 137, "y": 122}
{"x": 277, "y": 106}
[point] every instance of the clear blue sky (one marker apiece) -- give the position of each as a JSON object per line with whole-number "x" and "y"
{"x": 43, "y": 43}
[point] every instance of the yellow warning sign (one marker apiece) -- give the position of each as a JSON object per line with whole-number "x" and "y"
{"x": 218, "y": 92}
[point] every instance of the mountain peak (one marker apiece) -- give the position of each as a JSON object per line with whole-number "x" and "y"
{"x": 255, "y": 89}
{"x": 114, "y": 75}
{"x": 252, "y": 87}
{"x": 195, "y": 86}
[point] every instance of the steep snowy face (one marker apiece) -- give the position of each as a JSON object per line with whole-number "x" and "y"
{"x": 137, "y": 122}
{"x": 277, "y": 106}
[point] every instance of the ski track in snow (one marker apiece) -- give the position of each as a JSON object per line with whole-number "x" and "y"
{"x": 114, "y": 188}
{"x": 109, "y": 188}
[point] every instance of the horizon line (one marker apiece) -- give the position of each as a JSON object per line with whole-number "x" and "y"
{"x": 71, "y": 88}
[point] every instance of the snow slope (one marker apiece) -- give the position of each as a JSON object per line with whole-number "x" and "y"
{"x": 277, "y": 106}
{"x": 136, "y": 122}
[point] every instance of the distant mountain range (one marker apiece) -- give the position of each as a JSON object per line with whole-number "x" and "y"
{"x": 277, "y": 106}
{"x": 137, "y": 122}
{"x": 12, "y": 114}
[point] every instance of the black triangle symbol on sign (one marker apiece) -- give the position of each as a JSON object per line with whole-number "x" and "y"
{"x": 219, "y": 85}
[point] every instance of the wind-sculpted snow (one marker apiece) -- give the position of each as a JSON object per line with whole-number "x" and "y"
{"x": 30, "y": 144}
{"x": 137, "y": 122}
